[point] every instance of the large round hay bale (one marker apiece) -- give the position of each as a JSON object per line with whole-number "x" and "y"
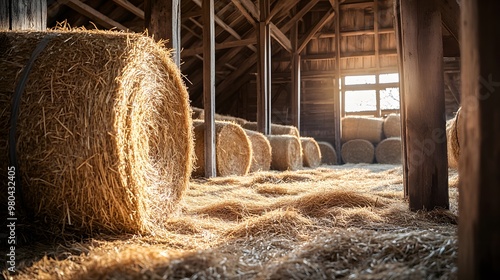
{"x": 286, "y": 152}
{"x": 261, "y": 151}
{"x": 311, "y": 154}
{"x": 392, "y": 126}
{"x": 232, "y": 148}
{"x": 388, "y": 151}
{"x": 276, "y": 129}
{"x": 328, "y": 154}
{"x": 358, "y": 151}
{"x": 454, "y": 135}
{"x": 369, "y": 129}
{"x": 104, "y": 139}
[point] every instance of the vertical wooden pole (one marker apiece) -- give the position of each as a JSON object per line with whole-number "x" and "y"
{"x": 424, "y": 105}
{"x": 264, "y": 70}
{"x": 295, "y": 76}
{"x": 479, "y": 207}
{"x": 402, "y": 112}
{"x": 378, "y": 111}
{"x": 163, "y": 21}
{"x": 209, "y": 86}
{"x": 23, "y": 15}
{"x": 337, "y": 99}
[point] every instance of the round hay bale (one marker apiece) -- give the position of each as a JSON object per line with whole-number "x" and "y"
{"x": 311, "y": 154}
{"x": 232, "y": 148}
{"x": 389, "y": 151}
{"x": 358, "y": 151}
{"x": 328, "y": 154}
{"x": 392, "y": 126}
{"x": 232, "y": 119}
{"x": 369, "y": 129}
{"x": 454, "y": 135}
{"x": 261, "y": 151}
{"x": 286, "y": 152}
{"x": 276, "y": 129}
{"x": 104, "y": 139}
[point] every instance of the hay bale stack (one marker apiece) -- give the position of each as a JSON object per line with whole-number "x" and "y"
{"x": 232, "y": 148}
{"x": 389, "y": 151}
{"x": 454, "y": 136}
{"x": 328, "y": 154}
{"x": 358, "y": 151}
{"x": 197, "y": 113}
{"x": 224, "y": 118}
{"x": 392, "y": 126}
{"x": 287, "y": 154}
{"x": 261, "y": 151}
{"x": 311, "y": 154}
{"x": 276, "y": 129}
{"x": 369, "y": 129}
{"x": 104, "y": 141}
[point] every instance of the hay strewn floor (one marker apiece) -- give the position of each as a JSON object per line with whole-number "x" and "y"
{"x": 342, "y": 222}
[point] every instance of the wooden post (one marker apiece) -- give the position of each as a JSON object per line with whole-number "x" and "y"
{"x": 427, "y": 164}
{"x": 479, "y": 227}
{"x": 163, "y": 21}
{"x": 264, "y": 70}
{"x": 209, "y": 86}
{"x": 23, "y": 15}
{"x": 295, "y": 76}
{"x": 378, "y": 111}
{"x": 337, "y": 99}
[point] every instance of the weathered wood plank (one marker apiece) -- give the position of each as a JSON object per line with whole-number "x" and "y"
{"x": 221, "y": 46}
{"x": 450, "y": 17}
{"x": 4, "y": 14}
{"x": 209, "y": 86}
{"x": 23, "y": 15}
{"x": 264, "y": 70}
{"x": 479, "y": 208}
{"x": 280, "y": 37}
{"x": 424, "y": 105}
{"x": 130, "y": 7}
{"x": 315, "y": 28}
{"x": 94, "y": 15}
{"x": 337, "y": 98}
{"x": 295, "y": 86}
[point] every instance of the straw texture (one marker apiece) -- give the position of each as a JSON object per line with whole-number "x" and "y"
{"x": 328, "y": 154}
{"x": 287, "y": 154}
{"x": 454, "y": 135}
{"x": 392, "y": 126}
{"x": 358, "y": 151}
{"x": 276, "y": 129}
{"x": 232, "y": 147}
{"x": 103, "y": 138}
{"x": 311, "y": 154}
{"x": 369, "y": 129}
{"x": 261, "y": 151}
{"x": 389, "y": 151}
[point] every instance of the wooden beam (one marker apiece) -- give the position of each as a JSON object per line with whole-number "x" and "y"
{"x": 355, "y": 33}
{"x": 377, "y": 54}
{"x": 424, "y": 105}
{"x": 130, "y": 7}
{"x": 209, "y": 86}
{"x": 299, "y": 15}
{"x": 295, "y": 79}
{"x": 337, "y": 94}
{"x": 94, "y": 15}
{"x": 478, "y": 229}
{"x": 251, "y": 8}
{"x": 221, "y": 46}
{"x": 281, "y": 5}
{"x": 280, "y": 37}
{"x": 23, "y": 15}
{"x": 316, "y": 27}
{"x": 264, "y": 70}
{"x": 450, "y": 17}
{"x": 163, "y": 21}
{"x": 244, "y": 12}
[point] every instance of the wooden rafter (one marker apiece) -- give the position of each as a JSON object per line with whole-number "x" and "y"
{"x": 130, "y": 7}
{"x": 93, "y": 14}
{"x": 450, "y": 17}
{"x": 224, "y": 45}
{"x": 280, "y": 37}
{"x": 244, "y": 11}
{"x": 280, "y": 6}
{"x": 299, "y": 15}
{"x": 316, "y": 27}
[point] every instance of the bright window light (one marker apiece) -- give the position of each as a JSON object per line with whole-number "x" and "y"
{"x": 360, "y": 100}
{"x": 389, "y": 99}
{"x": 389, "y": 78}
{"x": 360, "y": 80}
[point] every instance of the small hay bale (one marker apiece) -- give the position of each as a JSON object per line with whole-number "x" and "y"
{"x": 369, "y": 129}
{"x": 358, "y": 151}
{"x": 276, "y": 129}
{"x": 104, "y": 139}
{"x": 389, "y": 151}
{"x": 454, "y": 136}
{"x": 328, "y": 154}
{"x": 197, "y": 113}
{"x": 232, "y": 147}
{"x": 286, "y": 152}
{"x": 261, "y": 151}
{"x": 392, "y": 126}
{"x": 311, "y": 154}
{"x": 224, "y": 118}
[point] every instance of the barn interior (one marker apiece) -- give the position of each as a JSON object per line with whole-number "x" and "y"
{"x": 333, "y": 73}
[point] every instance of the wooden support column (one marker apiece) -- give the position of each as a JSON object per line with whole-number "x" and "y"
{"x": 479, "y": 207}
{"x": 377, "y": 56}
{"x": 23, "y": 15}
{"x": 337, "y": 94}
{"x": 424, "y": 105}
{"x": 209, "y": 85}
{"x": 264, "y": 70}
{"x": 295, "y": 76}
{"x": 162, "y": 18}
